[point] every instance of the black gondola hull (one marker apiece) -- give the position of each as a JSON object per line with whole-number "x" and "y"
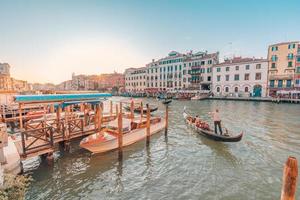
{"x": 211, "y": 135}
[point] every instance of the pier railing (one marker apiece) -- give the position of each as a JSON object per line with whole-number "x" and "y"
{"x": 34, "y": 140}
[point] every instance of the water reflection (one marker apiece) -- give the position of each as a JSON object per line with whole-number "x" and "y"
{"x": 183, "y": 164}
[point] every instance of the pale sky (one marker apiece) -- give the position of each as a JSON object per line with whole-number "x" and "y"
{"x": 45, "y": 41}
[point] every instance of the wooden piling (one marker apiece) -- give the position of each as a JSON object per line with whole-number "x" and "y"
{"x": 20, "y": 116}
{"x": 85, "y": 114}
{"x": 99, "y": 117}
{"x": 52, "y": 108}
{"x": 167, "y": 119}
{"x": 111, "y": 108}
{"x": 58, "y": 111}
{"x": 50, "y": 158}
{"x": 120, "y": 129}
{"x": 117, "y": 110}
{"x": 142, "y": 112}
{"x": 148, "y": 125}
{"x": 81, "y": 107}
{"x": 131, "y": 110}
{"x": 289, "y": 180}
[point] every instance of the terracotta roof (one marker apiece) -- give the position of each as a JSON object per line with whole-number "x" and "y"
{"x": 238, "y": 60}
{"x": 282, "y": 43}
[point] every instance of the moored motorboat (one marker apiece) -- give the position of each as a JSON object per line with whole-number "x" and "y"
{"x": 207, "y": 132}
{"x": 198, "y": 97}
{"x": 138, "y": 109}
{"x": 107, "y": 139}
{"x": 166, "y": 101}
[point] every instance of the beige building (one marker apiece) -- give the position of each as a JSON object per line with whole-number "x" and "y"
{"x": 135, "y": 80}
{"x": 241, "y": 77}
{"x": 282, "y": 61}
{"x": 5, "y": 80}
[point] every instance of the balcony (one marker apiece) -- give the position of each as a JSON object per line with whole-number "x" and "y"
{"x": 196, "y": 67}
{"x": 281, "y": 77}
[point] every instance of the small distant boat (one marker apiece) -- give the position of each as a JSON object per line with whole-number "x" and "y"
{"x": 107, "y": 139}
{"x": 138, "y": 109}
{"x": 166, "y": 101}
{"x": 199, "y": 97}
{"x": 209, "y": 133}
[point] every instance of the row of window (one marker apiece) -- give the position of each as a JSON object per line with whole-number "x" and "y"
{"x": 247, "y": 67}
{"x": 136, "y": 84}
{"x": 197, "y": 63}
{"x": 274, "y": 58}
{"x": 236, "y": 89}
{"x": 290, "y": 64}
{"x": 290, "y": 46}
{"x": 280, "y": 83}
{"x": 165, "y": 84}
{"x": 237, "y": 77}
{"x": 170, "y": 61}
{"x": 135, "y": 78}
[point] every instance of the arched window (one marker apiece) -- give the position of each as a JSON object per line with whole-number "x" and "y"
{"x": 218, "y": 89}
{"x": 246, "y": 89}
{"x": 226, "y": 89}
{"x": 236, "y": 89}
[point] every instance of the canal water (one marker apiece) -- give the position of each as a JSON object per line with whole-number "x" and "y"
{"x": 183, "y": 165}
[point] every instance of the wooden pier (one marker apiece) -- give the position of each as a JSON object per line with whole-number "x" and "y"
{"x": 43, "y": 137}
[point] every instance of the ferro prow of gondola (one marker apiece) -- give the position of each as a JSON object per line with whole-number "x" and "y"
{"x": 203, "y": 129}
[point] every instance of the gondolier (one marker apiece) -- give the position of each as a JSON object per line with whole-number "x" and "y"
{"x": 203, "y": 129}
{"x": 217, "y": 121}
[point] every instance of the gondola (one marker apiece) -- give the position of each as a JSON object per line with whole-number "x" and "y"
{"x": 209, "y": 133}
{"x": 138, "y": 109}
{"x": 166, "y": 101}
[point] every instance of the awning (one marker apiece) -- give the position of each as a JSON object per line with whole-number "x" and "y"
{"x": 58, "y": 97}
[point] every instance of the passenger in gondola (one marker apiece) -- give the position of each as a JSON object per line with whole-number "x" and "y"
{"x": 197, "y": 120}
{"x": 217, "y": 121}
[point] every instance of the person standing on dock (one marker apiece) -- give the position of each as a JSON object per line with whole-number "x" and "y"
{"x": 217, "y": 121}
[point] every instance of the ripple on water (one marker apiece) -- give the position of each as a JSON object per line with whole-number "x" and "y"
{"x": 183, "y": 165}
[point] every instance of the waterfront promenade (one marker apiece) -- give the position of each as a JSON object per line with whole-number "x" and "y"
{"x": 258, "y": 99}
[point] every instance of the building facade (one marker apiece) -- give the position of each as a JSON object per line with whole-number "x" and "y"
{"x": 5, "y": 79}
{"x": 174, "y": 72}
{"x": 240, "y": 77}
{"x": 200, "y": 69}
{"x": 297, "y": 70}
{"x": 135, "y": 80}
{"x": 282, "y": 66}
{"x": 95, "y": 82}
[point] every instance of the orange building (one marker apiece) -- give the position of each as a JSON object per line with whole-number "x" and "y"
{"x": 297, "y": 70}
{"x": 282, "y": 66}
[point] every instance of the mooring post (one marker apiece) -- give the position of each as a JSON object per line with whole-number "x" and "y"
{"x": 167, "y": 119}
{"x": 131, "y": 110}
{"x": 142, "y": 110}
{"x": 52, "y": 108}
{"x": 120, "y": 130}
{"x": 50, "y": 158}
{"x": 99, "y": 117}
{"x": 85, "y": 114}
{"x": 20, "y": 116}
{"x": 67, "y": 130}
{"x": 111, "y": 108}
{"x": 289, "y": 180}
{"x": 81, "y": 107}
{"x": 117, "y": 110}
{"x": 148, "y": 125}
{"x": 58, "y": 111}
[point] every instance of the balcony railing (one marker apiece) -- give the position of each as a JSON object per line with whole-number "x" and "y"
{"x": 285, "y": 76}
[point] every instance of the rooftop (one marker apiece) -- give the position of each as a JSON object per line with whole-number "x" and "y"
{"x": 237, "y": 60}
{"x": 283, "y": 43}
